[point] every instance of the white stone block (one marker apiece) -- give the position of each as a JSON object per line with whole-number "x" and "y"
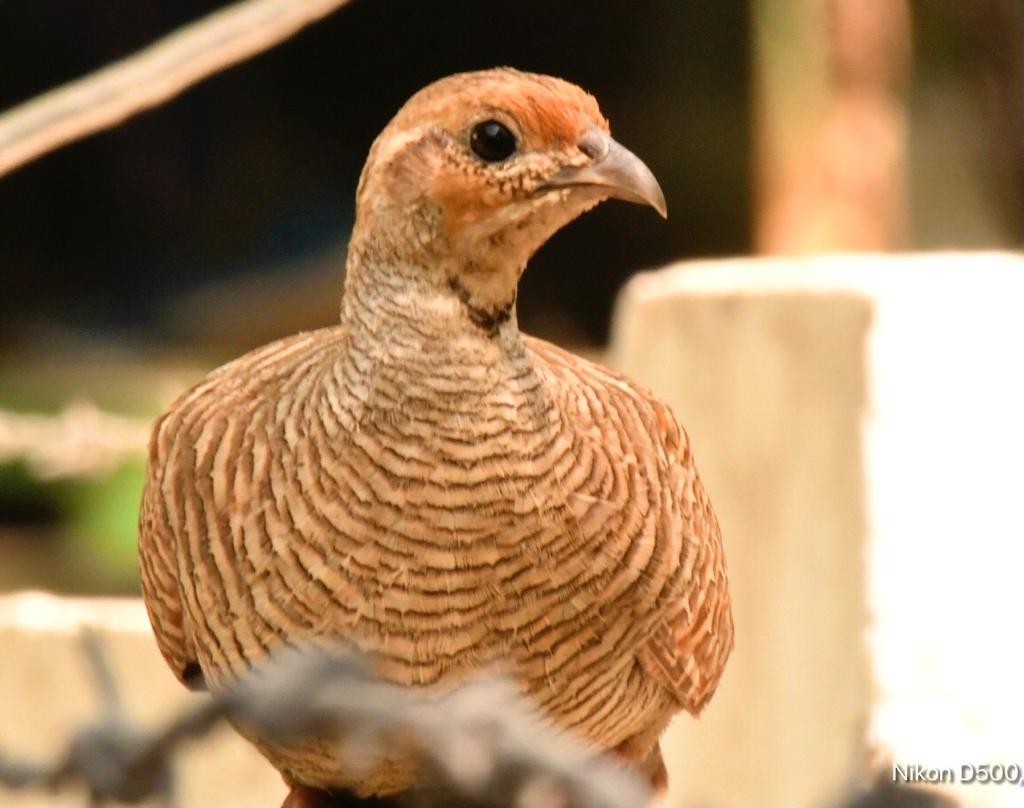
{"x": 46, "y": 692}
{"x": 859, "y": 421}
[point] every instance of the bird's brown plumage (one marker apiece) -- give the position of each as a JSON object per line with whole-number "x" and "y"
{"x": 426, "y": 483}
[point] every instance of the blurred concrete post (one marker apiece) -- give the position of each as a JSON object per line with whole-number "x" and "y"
{"x": 858, "y": 422}
{"x": 830, "y": 124}
{"x": 46, "y": 694}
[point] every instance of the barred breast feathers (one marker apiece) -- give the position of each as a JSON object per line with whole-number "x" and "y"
{"x": 611, "y": 449}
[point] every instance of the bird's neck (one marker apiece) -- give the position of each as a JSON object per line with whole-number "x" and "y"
{"x": 394, "y": 304}
{"x": 425, "y": 288}
{"x": 410, "y": 333}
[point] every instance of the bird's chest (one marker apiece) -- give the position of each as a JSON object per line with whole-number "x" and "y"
{"x": 454, "y": 519}
{"x": 444, "y": 527}
{"x": 456, "y": 443}
{"x": 448, "y": 476}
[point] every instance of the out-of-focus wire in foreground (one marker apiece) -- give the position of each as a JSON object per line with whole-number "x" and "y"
{"x": 479, "y": 745}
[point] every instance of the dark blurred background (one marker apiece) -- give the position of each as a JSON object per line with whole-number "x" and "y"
{"x": 133, "y": 261}
{"x": 254, "y": 171}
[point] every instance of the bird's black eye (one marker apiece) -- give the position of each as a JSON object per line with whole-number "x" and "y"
{"x": 492, "y": 141}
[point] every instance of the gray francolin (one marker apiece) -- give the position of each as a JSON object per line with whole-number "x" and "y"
{"x": 427, "y": 484}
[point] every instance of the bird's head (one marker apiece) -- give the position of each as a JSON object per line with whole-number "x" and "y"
{"x": 478, "y": 170}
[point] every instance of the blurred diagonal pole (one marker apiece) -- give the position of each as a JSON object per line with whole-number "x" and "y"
{"x": 831, "y": 124}
{"x": 152, "y": 76}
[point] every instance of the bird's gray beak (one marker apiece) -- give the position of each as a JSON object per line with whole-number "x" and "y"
{"x": 614, "y": 168}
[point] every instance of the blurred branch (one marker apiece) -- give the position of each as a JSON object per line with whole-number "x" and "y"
{"x": 152, "y": 76}
{"x": 81, "y": 441}
{"x": 479, "y": 745}
{"x": 831, "y": 124}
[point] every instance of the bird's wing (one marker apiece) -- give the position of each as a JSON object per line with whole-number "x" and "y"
{"x": 692, "y": 640}
{"x": 159, "y": 570}
{"x": 693, "y": 634}
{"x": 196, "y": 456}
